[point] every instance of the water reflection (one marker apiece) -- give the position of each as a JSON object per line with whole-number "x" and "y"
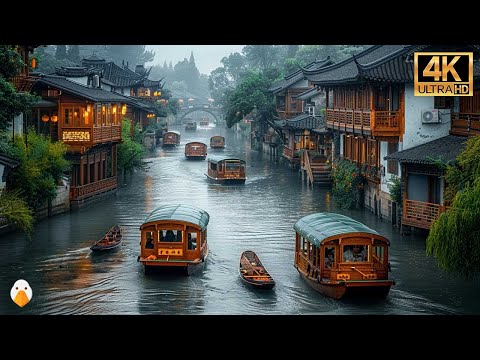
{"x": 67, "y": 279}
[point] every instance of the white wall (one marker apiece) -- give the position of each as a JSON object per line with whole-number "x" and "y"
{"x": 342, "y": 138}
{"x": 417, "y": 133}
{"x": 384, "y": 179}
{"x": 79, "y": 80}
{"x": 17, "y": 124}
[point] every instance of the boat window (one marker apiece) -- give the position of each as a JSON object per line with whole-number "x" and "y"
{"x": 231, "y": 166}
{"x": 329, "y": 257}
{"x": 379, "y": 253}
{"x": 192, "y": 240}
{"x": 170, "y": 235}
{"x": 355, "y": 253}
{"x": 149, "y": 240}
{"x": 213, "y": 166}
{"x": 303, "y": 245}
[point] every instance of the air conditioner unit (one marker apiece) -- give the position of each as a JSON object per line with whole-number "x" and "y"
{"x": 430, "y": 116}
{"x": 311, "y": 110}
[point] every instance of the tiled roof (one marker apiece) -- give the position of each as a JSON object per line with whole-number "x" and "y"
{"x": 349, "y": 70}
{"x": 308, "y": 94}
{"x": 292, "y": 78}
{"x": 305, "y": 121}
{"x": 446, "y": 149}
{"x": 73, "y": 71}
{"x": 8, "y": 161}
{"x": 94, "y": 94}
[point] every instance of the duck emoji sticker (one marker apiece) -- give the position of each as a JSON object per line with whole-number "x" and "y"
{"x": 21, "y": 293}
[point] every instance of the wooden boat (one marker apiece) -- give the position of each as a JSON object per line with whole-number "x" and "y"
{"x": 226, "y": 171}
{"x": 253, "y": 272}
{"x": 195, "y": 150}
{"x": 191, "y": 126}
{"x": 204, "y": 122}
{"x": 110, "y": 241}
{"x": 217, "y": 142}
{"x": 171, "y": 138}
{"x": 174, "y": 236}
{"x": 339, "y": 256}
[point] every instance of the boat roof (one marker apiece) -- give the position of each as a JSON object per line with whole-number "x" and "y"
{"x": 195, "y": 142}
{"x": 186, "y": 213}
{"x": 213, "y": 159}
{"x": 217, "y": 136}
{"x": 173, "y": 131}
{"x": 320, "y": 226}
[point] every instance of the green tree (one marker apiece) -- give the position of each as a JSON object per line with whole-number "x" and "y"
{"x": 347, "y": 181}
{"x": 133, "y": 54}
{"x": 454, "y": 238}
{"x": 15, "y": 210}
{"x": 73, "y": 53}
{"x": 12, "y": 103}
{"x": 61, "y": 52}
{"x": 262, "y": 57}
{"x": 130, "y": 151}
{"x": 47, "y": 62}
{"x": 42, "y": 163}
{"x": 308, "y": 53}
{"x": 252, "y": 93}
{"x": 234, "y": 65}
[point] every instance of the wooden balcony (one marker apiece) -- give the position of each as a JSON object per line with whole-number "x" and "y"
{"x": 465, "y": 124}
{"x": 84, "y": 191}
{"x": 287, "y": 153}
{"x": 421, "y": 214}
{"x": 83, "y": 135}
{"x": 23, "y": 83}
{"x": 365, "y": 122}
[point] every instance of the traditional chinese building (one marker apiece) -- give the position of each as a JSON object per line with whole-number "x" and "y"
{"x": 88, "y": 120}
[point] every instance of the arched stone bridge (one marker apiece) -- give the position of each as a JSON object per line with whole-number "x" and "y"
{"x": 212, "y": 110}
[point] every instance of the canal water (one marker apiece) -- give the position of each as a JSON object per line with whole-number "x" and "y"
{"x": 67, "y": 278}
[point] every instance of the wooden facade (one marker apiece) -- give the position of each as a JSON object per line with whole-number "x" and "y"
{"x": 174, "y": 236}
{"x": 364, "y": 152}
{"x": 367, "y": 110}
{"x": 227, "y": 171}
{"x": 466, "y": 122}
{"x": 287, "y": 104}
{"x": 339, "y": 256}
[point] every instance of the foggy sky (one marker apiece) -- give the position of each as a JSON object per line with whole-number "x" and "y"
{"x": 207, "y": 57}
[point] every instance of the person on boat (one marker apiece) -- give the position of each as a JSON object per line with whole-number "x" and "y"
{"x": 329, "y": 260}
{"x": 149, "y": 244}
{"x": 359, "y": 253}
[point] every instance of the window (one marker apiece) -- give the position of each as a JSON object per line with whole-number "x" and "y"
{"x": 213, "y": 166}
{"x": 149, "y": 244}
{"x": 170, "y": 236}
{"x": 232, "y": 165}
{"x": 303, "y": 245}
{"x": 192, "y": 240}
{"x": 329, "y": 257}
{"x": 68, "y": 117}
{"x": 443, "y": 102}
{"x": 379, "y": 254}
{"x": 392, "y": 165}
{"x": 355, "y": 253}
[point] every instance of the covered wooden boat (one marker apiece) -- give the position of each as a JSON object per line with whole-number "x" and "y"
{"x": 339, "y": 256}
{"x": 204, "y": 122}
{"x": 217, "y": 142}
{"x": 226, "y": 171}
{"x": 111, "y": 240}
{"x": 174, "y": 236}
{"x": 171, "y": 138}
{"x": 195, "y": 150}
{"x": 253, "y": 272}
{"x": 191, "y": 126}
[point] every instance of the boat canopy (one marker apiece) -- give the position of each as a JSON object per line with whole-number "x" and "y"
{"x": 216, "y": 160}
{"x": 186, "y": 213}
{"x": 195, "y": 142}
{"x": 172, "y": 131}
{"x": 217, "y": 137}
{"x": 321, "y": 226}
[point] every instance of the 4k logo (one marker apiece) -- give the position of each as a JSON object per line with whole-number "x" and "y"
{"x": 443, "y": 74}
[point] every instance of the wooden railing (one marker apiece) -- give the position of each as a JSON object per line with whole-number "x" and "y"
{"x": 421, "y": 214}
{"x": 465, "y": 124}
{"x": 80, "y": 192}
{"x": 376, "y": 122}
{"x": 107, "y": 133}
{"x": 23, "y": 83}
{"x": 287, "y": 114}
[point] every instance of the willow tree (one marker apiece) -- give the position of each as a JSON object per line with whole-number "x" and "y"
{"x": 454, "y": 239}
{"x": 15, "y": 210}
